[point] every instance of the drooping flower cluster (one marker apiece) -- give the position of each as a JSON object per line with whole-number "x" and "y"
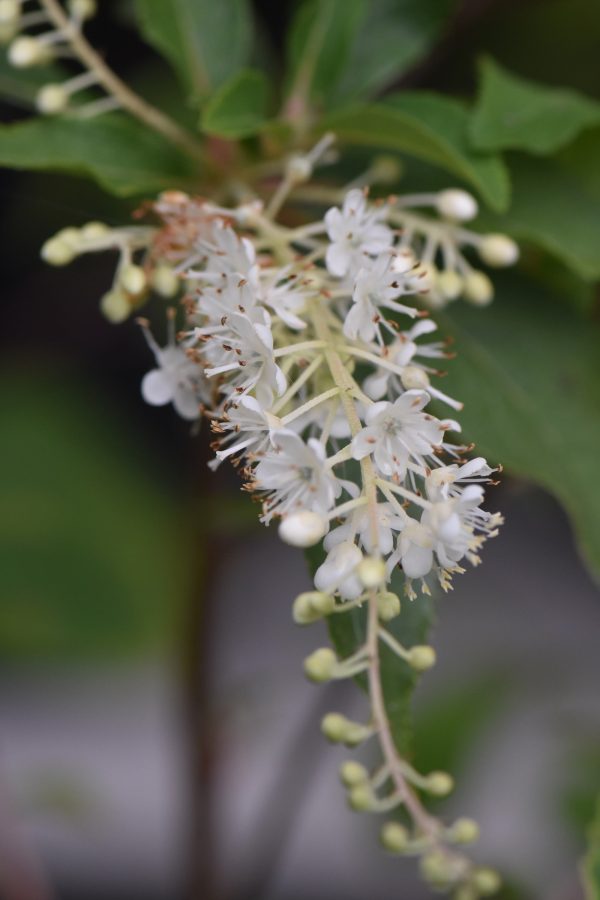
{"x": 311, "y": 353}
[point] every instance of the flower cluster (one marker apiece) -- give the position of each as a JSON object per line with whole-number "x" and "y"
{"x": 312, "y": 353}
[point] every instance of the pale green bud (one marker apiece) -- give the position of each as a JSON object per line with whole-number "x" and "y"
{"x": 414, "y": 377}
{"x": 57, "y": 252}
{"x": 164, "y": 281}
{"x": 371, "y": 571}
{"x": 312, "y": 606}
{"x": 450, "y": 284}
{"x": 26, "y": 51}
{"x": 437, "y": 869}
{"x": 115, "y": 306}
{"x": 464, "y": 831}
{"x": 388, "y": 606}
{"x": 319, "y": 666}
{"x": 487, "y": 881}
{"x": 456, "y": 204}
{"x": 421, "y": 657}
{"x": 304, "y": 528}
{"x": 498, "y": 250}
{"x": 52, "y": 99}
{"x": 93, "y": 231}
{"x": 394, "y": 837}
{"x": 360, "y": 797}
{"x": 132, "y": 278}
{"x": 82, "y": 9}
{"x": 341, "y": 730}
{"x": 465, "y": 892}
{"x": 439, "y": 783}
{"x": 353, "y": 773}
{"x": 478, "y": 289}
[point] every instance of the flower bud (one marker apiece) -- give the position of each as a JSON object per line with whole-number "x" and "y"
{"x": 82, "y": 9}
{"x": 498, "y": 250}
{"x": 439, "y": 783}
{"x": 388, "y": 606}
{"x": 26, "y": 51}
{"x": 115, "y": 306}
{"x": 164, "y": 281}
{"x": 437, "y": 868}
{"x": 8, "y": 30}
{"x": 414, "y": 377}
{"x": 449, "y": 284}
{"x": 360, "y": 797}
{"x": 340, "y": 730}
{"x": 385, "y": 169}
{"x": 371, "y": 571}
{"x": 10, "y": 11}
{"x": 311, "y": 606}
{"x": 319, "y": 665}
{"x": 464, "y": 831}
{"x": 478, "y": 288}
{"x": 132, "y": 279}
{"x": 52, "y": 99}
{"x": 57, "y": 252}
{"x": 487, "y": 881}
{"x": 299, "y": 169}
{"x": 421, "y": 657}
{"x": 456, "y": 204}
{"x": 465, "y": 892}
{"x": 394, "y": 837}
{"x": 93, "y": 231}
{"x": 353, "y": 773}
{"x": 303, "y": 528}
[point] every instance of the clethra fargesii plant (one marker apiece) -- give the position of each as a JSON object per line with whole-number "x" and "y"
{"x": 311, "y": 352}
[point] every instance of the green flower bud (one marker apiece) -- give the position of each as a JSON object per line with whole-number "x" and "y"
{"x": 353, "y": 773}
{"x": 464, "y": 831}
{"x": 414, "y": 378}
{"x": 450, "y": 284}
{"x": 388, "y": 606}
{"x": 421, "y": 657}
{"x": 164, "y": 281}
{"x": 371, "y": 571}
{"x": 360, "y": 797}
{"x": 132, "y": 279}
{"x": 498, "y": 250}
{"x": 465, "y": 892}
{"x": 52, "y": 99}
{"x": 487, "y": 881}
{"x": 478, "y": 289}
{"x": 312, "y": 606}
{"x": 115, "y": 306}
{"x": 394, "y": 837}
{"x": 93, "y": 231}
{"x": 319, "y": 665}
{"x": 437, "y": 869}
{"x": 57, "y": 252}
{"x": 340, "y": 730}
{"x": 439, "y": 783}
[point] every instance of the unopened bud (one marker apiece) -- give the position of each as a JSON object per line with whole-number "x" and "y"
{"x": 437, "y": 868}
{"x": 478, "y": 288}
{"x": 450, "y": 284}
{"x": 414, "y": 377}
{"x": 52, "y": 99}
{"x": 456, "y": 204}
{"x": 115, "y": 306}
{"x": 371, "y": 571}
{"x": 82, "y": 9}
{"x": 27, "y": 51}
{"x": 464, "y": 831}
{"x": 353, "y": 773}
{"x": 394, "y": 837}
{"x": 439, "y": 783}
{"x": 385, "y": 169}
{"x": 360, "y": 797}
{"x": 421, "y": 657}
{"x": 465, "y": 892}
{"x": 57, "y": 252}
{"x": 388, "y": 606}
{"x": 311, "y": 606}
{"x": 319, "y": 665}
{"x": 340, "y": 730}
{"x": 498, "y": 250}
{"x": 299, "y": 169}
{"x": 303, "y": 529}
{"x": 164, "y": 281}
{"x": 487, "y": 881}
{"x": 132, "y": 279}
{"x": 93, "y": 231}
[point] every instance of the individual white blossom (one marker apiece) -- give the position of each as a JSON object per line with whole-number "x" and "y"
{"x": 354, "y": 231}
{"x": 176, "y": 379}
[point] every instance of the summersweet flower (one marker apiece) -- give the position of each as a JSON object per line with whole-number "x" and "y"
{"x": 354, "y": 231}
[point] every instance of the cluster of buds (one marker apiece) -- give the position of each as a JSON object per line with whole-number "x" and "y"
{"x": 311, "y": 353}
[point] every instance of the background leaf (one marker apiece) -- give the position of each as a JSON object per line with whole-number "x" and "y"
{"x": 238, "y": 109}
{"x": 529, "y": 374}
{"x": 514, "y": 113}
{"x": 591, "y": 864}
{"x": 429, "y": 127}
{"x": 122, "y": 155}
{"x": 393, "y": 36}
{"x": 206, "y": 42}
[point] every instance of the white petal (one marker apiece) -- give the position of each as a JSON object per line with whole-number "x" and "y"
{"x": 157, "y": 389}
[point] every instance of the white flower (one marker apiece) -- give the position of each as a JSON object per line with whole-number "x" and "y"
{"x": 397, "y": 432}
{"x": 295, "y": 476}
{"x": 354, "y": 231}
{"x": 229, "y": 254}
{"x": 248, "y": 426}
{"x": 377, "y": 285}
{"x": 444, "y": 481}
{"x": 176, "y": 379}
{"x": 338, "y": 572}
{"x": 359, "y": 523}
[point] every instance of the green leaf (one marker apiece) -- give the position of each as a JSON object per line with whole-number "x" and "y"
{"x": 348, "y": 631}
{"x": 122, "y": 155}
{"x": 528, "y": 371}
{"x": 320, "y": 40}
{"x": 591, "y": 864}
{"x": 238, "y": 109}
{"x": 515, "y": 113}
{"x": 393, "y": 37}
{"x": 555, "y": 211}
{"x": 90, "y": 545}
{"x": 206, "y": 41}
{"x": 430, "y": 127}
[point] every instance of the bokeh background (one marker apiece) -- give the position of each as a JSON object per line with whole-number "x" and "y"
{"x": 157, "y": 739}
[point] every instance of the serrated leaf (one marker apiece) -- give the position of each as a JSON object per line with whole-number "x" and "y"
{"x": 393, "y": 37}
{"x": 591, "y": 864}
{"x": 320, "y": 39}
{"x": 90, "y": 555}
{"x": 515, "y": 113}
{"x": 120, "y": 154}
{"x": 554, "y": 210}
{"x": 430, "y": 127}
{"x": 528, "y": 371}
{"x": 205, "y": 41}
{"x": 239, "y": 108}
